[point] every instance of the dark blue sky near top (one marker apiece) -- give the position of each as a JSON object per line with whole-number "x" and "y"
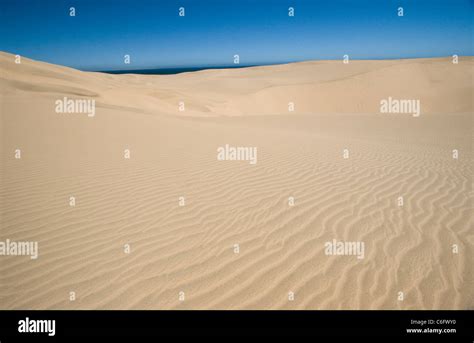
{"x": 213, "y": 31}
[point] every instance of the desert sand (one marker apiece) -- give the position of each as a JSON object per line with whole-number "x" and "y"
{"x": 185, "y": 257}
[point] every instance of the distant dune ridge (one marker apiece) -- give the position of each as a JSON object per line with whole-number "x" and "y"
{"x": 133, "y": 209}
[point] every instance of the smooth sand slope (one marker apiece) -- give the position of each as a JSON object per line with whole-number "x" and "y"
{"x": 190, "y": 248}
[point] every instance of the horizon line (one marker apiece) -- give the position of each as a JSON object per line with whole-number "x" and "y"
{"x": 256, "y": 64}
{"x": 192, "y": 68}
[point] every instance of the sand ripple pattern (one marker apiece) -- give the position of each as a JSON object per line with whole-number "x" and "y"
{"x": 190, "y": 249}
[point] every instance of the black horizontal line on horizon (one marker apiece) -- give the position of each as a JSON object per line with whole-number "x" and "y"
{"x": 182, "y": 69}
{"x": 177, "y": 70}
{"x": 185, "y": 69}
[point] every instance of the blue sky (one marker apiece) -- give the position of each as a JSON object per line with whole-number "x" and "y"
{"x": 212, "y": 31}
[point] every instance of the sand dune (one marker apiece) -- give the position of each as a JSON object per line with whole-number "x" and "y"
{"x": 190, "y": 248}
